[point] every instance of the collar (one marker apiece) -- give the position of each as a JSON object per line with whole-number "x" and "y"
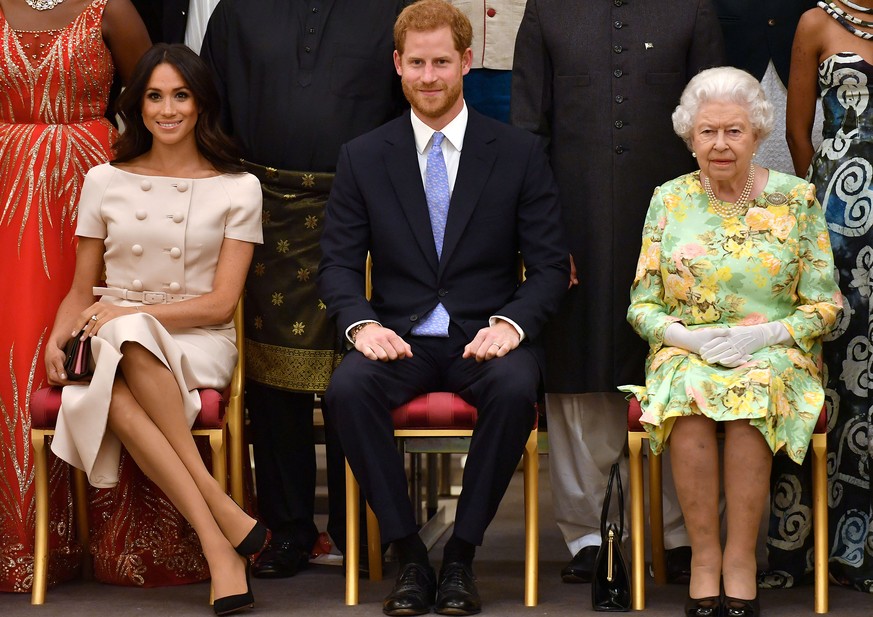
{"x": 454, "y": 130}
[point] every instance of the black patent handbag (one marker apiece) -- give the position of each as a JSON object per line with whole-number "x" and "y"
{"x": 610, "y": 585}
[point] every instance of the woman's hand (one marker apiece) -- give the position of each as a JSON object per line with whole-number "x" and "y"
{"x": 738, "y": 344}
{"x": 92, "y": 318}
{"x": 54, "y": 365}
{"x": 677, "y": 335}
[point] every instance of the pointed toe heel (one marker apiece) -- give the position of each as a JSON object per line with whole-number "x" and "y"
{"x": 254, "y": 541}
{"x": 235, "y": 603}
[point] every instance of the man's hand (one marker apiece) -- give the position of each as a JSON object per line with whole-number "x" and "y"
{"x": 379, "y": 343}
{"x": 493, "y": 342}
{"x": 574, "y": 279}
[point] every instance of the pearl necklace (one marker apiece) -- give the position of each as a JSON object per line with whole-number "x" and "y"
{"x": 43, "y": 5}
{"x": 739, "y": 206}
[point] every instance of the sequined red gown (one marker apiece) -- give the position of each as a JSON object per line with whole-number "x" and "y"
{"x": 54, "y": 87}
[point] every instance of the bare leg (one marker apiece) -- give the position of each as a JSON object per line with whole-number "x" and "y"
{"x": 157, "y": 393}
{"x": 694, "y": 457}
{"x": 159, "y": 461}
{"x": 746, "y": 485}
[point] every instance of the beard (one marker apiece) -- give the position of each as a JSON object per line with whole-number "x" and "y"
{"x": 432, "y": 106}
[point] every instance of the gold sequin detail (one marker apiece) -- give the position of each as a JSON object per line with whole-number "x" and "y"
{"x": 298, "y": 328}
{"x": 308, "y": 181}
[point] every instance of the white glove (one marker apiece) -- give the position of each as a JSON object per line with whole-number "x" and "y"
{"x": 737, "y": 344}
{"x": 677, "y": 335}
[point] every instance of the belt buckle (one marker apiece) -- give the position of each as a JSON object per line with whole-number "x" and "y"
{"x": 154, "y": 297}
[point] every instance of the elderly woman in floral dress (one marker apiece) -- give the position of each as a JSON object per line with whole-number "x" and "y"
{"x": 733, "y": 291}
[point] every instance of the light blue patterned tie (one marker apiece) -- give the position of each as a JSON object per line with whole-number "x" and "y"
{"x": 436, "y": 189}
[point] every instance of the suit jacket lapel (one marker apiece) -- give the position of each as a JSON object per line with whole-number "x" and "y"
{"x": 477, "y": 159}
{"x": 402, "y": 162}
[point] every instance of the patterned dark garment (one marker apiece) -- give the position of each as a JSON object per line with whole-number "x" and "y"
{"x": 290, "y": 342}
{"x": 842, "y": 171}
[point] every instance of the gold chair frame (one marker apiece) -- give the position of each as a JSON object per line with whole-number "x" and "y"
{"x": 530, "y": 465}
{"x": 656, "y": 519}
{"x": 230, "y": 431}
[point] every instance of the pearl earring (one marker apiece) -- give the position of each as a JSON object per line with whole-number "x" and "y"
{"x": 694, "y": 154}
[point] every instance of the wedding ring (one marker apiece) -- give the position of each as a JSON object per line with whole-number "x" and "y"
{"x": 498, "y": 345}
{"x": 94, "y": 318}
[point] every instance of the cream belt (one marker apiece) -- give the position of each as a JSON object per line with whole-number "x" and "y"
{"x": 146, "y": 297}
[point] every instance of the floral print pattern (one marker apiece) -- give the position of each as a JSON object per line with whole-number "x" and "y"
{"x": 773, "y": 263}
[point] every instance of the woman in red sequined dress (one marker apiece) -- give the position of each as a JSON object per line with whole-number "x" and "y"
{"x": 58, "y": 61}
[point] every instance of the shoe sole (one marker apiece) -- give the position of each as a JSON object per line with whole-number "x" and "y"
{"x": 570, "y": 578}
{"x": 456, "y": 611}
{"x": 405, "y": 612}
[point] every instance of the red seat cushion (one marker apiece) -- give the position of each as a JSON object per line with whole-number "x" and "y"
{"x": 45, "y": 404}
{"x": 445, "y": 410}
{"x": 634, "y": 412}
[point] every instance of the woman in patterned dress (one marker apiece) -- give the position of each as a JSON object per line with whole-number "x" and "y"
{"x": 733, "y": 291}
{"x": 832, "y": 57}
{"x": 55, "y": 73}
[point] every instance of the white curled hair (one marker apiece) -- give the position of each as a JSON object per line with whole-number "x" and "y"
{"x": 723, "y": 84}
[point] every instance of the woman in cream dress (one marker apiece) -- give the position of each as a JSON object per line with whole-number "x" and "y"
{"x": 174, "y": 224}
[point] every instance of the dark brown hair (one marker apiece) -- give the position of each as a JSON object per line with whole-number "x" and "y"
{"x": 429, "y": 15}
{"x": 212, "y": 142}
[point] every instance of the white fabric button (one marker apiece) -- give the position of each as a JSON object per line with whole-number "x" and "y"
{"x": 136, "y": 284}
{"x": 145, "y": 185}
{"x": 175, "y": 287}
{"x": 175, "y": 252}
{"x": 178, "y": 217}
{"x": 136, "y": 249}
{"x": 141, "y": 215}
{"x": 182, "y": 187}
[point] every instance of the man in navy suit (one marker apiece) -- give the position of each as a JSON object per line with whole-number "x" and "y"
{"x": 447, "y": 310}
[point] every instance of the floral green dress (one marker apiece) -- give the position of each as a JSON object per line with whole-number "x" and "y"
{"x": 773, "y": 263}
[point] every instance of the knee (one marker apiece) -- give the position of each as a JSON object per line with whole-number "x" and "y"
{"x": 122, "y": 409}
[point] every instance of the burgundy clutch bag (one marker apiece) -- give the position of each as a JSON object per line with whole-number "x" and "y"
{"x": 78, "y": 362}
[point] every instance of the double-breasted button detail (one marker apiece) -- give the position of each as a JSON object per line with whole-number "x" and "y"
{"x": 141, "y": 215}
{"x": 175, "y": 287}
{"x": 619, "y": 98}
{"x": 617, "y": 25}
{"x": 618, "y": 72}
{"x": 182, "y": 186}
{"x": 618, "y": 124}
{"x": 175, "y": 252}
{"x": 136, "y": 285}
{"x": 617, "y": 49}
{"x": 146, "y": 185}
{"x": 491, "y": 12}
{"x": 618, "y": 2}
{"x": 178, "y": 217}
{"x": 443, "y": 293}
{"x": 619, "y": 149}
{"x": 413, "y": 318}
{"x": 136, "y": 249}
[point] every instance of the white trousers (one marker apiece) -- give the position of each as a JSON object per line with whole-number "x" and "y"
{"x": 587, "y": 434}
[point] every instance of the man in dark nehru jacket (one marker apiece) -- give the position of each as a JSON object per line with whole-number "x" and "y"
{"x": 444, "y": 199}
{"x": 600, "y": 80}
{"x": 297, "y": 79}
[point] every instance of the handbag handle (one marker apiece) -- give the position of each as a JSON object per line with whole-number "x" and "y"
{"x": 614, "y": 477}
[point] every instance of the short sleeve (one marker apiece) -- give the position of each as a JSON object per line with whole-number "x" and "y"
{"x": 90, "y": 223}
{"x": 246, "y": 202}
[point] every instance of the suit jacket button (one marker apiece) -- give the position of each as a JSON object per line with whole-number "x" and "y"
{"x": 442, "y": 293}
{"x": 619, "y": 149}
{"x": 413, "y": 318}
{"x": 618, "y": 72}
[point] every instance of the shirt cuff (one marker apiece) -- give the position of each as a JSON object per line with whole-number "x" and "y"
{"x": 493, "y": 319}
{"x": 349, "y": 342}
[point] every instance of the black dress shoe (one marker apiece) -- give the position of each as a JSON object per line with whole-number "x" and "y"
{"x": 735, "y": 607}
{"x": 233, "y": 604}
{"x": 581, "y": 567}
{"x": 703, "y": 607}
{"x": 280, "y": 560}
{"x": 678, "y": 564}
{"x": 457, "y": 593}
{"x": 413, "y": 591}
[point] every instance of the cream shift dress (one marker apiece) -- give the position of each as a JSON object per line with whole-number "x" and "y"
{"x": 161, "y": 234}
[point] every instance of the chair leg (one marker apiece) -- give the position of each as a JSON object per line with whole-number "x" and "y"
{"x": 353, "y": 494}
{"x": 531, "y": 467}
{"x": 656, "y": 518}
{"x": 236, "y": 447}
{"x": 820, "y": 519}
{"x": 80, "y": 499}
{"x": 374, "y": 545}
{"x": 219, "y": 457}
{"x": 638, "y": 534}
{"x": 40, "y": 548}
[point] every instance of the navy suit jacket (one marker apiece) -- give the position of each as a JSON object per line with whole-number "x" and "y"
{"x": 504, "y": 203}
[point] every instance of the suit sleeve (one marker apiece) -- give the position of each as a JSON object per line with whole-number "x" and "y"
{"x": 531, "y": 100}
{"x": 344, "y": 245}
{"x": 214, "y": 53}
{"x": 543, "y": 247}
{"x": 707, "y": 46}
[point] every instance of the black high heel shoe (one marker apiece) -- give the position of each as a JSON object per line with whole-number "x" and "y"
{"x": 254, "y": 542}
{"x": 231, "y": 604}
{"x": 703, "y": 607}
{"x": 735, "y": 607}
